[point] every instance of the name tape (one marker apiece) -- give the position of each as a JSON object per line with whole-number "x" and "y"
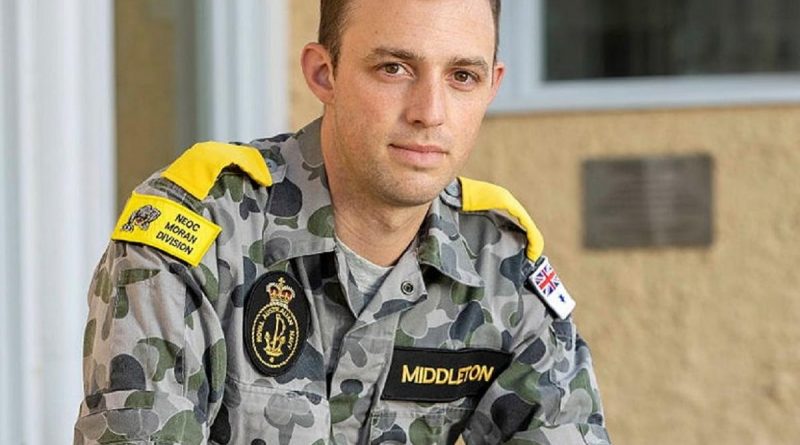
{"x": 440, "y": 375}
{"x": 167, "y": 226}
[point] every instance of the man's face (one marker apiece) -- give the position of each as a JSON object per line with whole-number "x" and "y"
{"x": 413, "y": 81}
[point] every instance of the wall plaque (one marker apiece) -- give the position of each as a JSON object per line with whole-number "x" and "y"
{"x": 650, "y": 201}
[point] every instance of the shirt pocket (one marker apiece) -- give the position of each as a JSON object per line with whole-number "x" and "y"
{"x": 138, "y": 417}
{"x": 402, "y": 422}
{"x": 272, "y": 413}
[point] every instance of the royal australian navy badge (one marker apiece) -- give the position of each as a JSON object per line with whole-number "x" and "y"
{"x": 275, "y": 323}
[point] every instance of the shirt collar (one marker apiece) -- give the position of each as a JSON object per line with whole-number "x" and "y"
{"x": 299, "y": 214}
{"x": 441, "y": 244}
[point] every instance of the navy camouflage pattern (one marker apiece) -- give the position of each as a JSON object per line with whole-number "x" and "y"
{"x": 164, "y": 359}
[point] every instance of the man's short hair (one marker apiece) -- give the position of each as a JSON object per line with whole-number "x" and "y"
{"x": 333, "y": 20}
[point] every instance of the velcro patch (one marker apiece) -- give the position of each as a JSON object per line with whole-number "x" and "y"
{"x": 441, "y": 375}
{"x": 167, "y": 226}
{"x": 545, "y": 282}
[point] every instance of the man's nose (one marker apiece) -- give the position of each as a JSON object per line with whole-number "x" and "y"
{"x": 427, "y": 104}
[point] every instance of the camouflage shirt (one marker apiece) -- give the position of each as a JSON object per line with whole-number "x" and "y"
{"x": 258, "y": 344}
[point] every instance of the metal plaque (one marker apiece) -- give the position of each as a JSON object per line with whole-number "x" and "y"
{"x": 644, "y": 202}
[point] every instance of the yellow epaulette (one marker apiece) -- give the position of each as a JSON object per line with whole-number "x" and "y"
{"x": 197, "y": 169}
{"x": 477, "y": 196}
{"x": 171, "y": 227}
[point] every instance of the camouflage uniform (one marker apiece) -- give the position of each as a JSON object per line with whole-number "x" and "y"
{"x": 164, "y": 359}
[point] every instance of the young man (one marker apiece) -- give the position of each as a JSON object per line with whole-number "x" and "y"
{"x": 340, "y": 285}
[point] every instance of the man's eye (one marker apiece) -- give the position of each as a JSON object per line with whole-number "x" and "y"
{"x": 464, "y": 77}
{"x": 392, "y": 68}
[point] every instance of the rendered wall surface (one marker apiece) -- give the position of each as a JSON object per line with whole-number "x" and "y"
{"x": 303, "y": 29}
{"x": 145, "y": 71}
{"x": 692, "y": 346}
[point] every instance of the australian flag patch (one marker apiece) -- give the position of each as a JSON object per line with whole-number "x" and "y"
{"x": 545, "y": 282}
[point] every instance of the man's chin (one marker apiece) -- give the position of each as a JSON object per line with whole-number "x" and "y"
{"x": 414, "y": 193}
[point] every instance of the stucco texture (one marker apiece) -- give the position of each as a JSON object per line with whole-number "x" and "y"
{"x": 145, "y": 93}
{"x": 691, "y": 345}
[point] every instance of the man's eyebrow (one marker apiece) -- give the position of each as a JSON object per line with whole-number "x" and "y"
{"x": 478, "y": 63}
{"x": 397, "y": 53}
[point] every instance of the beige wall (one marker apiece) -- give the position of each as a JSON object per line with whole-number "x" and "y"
{"x": 303, "y": 29}
{"x": 692, "y": 346}
{"x": 695, "y": 345}
{"x": 145, "y": 86}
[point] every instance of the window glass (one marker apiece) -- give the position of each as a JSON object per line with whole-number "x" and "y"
{"x": 594, "y": 39}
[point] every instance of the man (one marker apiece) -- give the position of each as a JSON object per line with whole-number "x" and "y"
{"x": 340, "y": 285}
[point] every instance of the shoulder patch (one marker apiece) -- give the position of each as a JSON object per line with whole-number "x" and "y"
{"x": 167, "y": 226}
{"x": 197, "y": 169}
{"x": 548, "y": 286}
{"x": 477, "y": 196}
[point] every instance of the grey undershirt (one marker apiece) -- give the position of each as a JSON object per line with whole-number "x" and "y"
{"x": 364, "y": 278}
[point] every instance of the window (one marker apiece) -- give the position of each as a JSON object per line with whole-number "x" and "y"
{"x": 566, "y": 54}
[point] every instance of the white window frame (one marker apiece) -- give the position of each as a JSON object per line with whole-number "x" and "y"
{"x": 524, "y": 88}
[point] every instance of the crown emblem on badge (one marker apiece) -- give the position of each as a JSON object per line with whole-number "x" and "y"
{"x": 280, "y": 293}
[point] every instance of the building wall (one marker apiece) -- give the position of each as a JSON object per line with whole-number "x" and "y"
{"x": 693, "y": 345}
{"x": 689, "y": 343}
{"x": 146, "y": 91}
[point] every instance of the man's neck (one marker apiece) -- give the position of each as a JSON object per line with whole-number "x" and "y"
{"x": 379, "y": 233}
{"x": 370, "y": 225}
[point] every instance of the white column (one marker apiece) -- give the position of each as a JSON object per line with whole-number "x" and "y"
{"x": 9, "y": 270}
{"x": 242, "y": 82}
{"x": 57, "y": 181}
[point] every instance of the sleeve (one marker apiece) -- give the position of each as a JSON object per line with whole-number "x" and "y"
{"x": 549, "y": 393}
{"x": 154, "y": 358}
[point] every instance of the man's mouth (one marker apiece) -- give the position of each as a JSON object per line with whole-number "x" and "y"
{"x": 420, "y": 148}
{"x": 418, "y": 155}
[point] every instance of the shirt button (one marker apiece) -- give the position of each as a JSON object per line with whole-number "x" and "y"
{"x": 407, "y": 287}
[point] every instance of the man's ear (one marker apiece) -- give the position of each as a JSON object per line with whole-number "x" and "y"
{"x": 498, "y": 71}
{"x": 318, "y": 71}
